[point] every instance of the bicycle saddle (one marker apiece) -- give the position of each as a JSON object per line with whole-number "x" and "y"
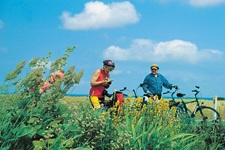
{"x": 180, "y": 95}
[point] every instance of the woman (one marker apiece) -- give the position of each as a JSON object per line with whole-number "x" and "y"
{"x": 99, "y": 82}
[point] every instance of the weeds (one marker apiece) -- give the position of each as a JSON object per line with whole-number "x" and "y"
{"x": 34, "y": 121}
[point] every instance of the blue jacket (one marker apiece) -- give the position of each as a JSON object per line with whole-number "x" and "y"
{"x": 154, "y": 84}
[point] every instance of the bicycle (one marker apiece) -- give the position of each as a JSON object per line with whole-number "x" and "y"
{"x": 200, "y": 113}
{"x": 172, "y": 102}
{"x": 141, "y": 101}
{"x": 116, "y": 99}
{"x": 182, "y": 111}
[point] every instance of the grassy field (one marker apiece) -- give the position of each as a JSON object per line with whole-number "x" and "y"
{"x": 191, "y": 106}
{"x": 220, "y": 106}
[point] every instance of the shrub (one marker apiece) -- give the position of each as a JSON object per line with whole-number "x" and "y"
{"x": 34, "y": 120}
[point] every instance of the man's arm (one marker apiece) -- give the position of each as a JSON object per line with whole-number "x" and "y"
{"x": 145, "y": 85}
{"x": 166, "y": 83}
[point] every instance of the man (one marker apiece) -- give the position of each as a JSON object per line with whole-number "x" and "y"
{"x": 99, "y": 82}
{"x": 154, "y": 82}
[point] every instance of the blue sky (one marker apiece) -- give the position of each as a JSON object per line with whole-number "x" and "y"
{"x": 186, "y": 38}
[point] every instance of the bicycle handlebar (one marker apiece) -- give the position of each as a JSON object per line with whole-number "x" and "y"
{"x": 135, "y": 90}
{"x": 172, "y": 93}
{"x": 105, "y": 92}
{"x": 166, "y": 92}
{"x": 123, "y": 89}
{"x": 196, "y": 91}
{"x": 141, "y": 84}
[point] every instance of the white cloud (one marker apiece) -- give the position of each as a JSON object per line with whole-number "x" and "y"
{"x": 196, "y": 3}
{"x": 1, "y": 24}
{"x": 203, "y": 3}
{"x": 99, "y": 15}
{"x": 147, "y": 50}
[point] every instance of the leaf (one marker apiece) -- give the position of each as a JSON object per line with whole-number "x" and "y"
{"x": 54, "y": 123}
{"x": 41, "y": 132}
{"x": 50, "y": 141}
{"x": 38, "y": 145}
{"x": 31, "y": 120}
{"x": 28, "y": 130}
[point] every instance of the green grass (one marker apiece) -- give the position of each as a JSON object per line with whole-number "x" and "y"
{"x": 77, "y": 125}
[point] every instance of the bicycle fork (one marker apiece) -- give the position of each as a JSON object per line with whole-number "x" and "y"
{"x": 199, "y": 108}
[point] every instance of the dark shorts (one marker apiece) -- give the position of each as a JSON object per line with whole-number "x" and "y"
{"x": 101, "y": 100}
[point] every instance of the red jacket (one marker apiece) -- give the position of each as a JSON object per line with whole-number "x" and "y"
{"x": 97, "y": 90}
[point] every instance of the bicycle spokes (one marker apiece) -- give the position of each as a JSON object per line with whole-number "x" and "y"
{"x": 207, "y": 114}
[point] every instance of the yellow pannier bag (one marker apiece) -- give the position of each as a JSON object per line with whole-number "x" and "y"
{"x": 95, "y": 102}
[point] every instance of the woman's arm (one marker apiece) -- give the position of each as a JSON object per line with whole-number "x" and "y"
{"x": 94, "y": 78}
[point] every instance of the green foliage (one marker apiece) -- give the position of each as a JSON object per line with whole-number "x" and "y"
{"x": 61, "y": 61}
{"x": 11, "y": 78}
{"x": 40, "y": 62}
{"x": 221, "y": 98}
{"x": 13, "y": 75}
{"x": 32, "y": 120}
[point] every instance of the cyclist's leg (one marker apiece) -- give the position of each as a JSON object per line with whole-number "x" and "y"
{"x": 144, "y": 101}
{"x": 95, "y": 102}
{"x": 106, "y": 104}
{"x": 207, "y": 114}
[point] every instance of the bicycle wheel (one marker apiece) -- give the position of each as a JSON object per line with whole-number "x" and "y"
{"x": 207, "y": 114}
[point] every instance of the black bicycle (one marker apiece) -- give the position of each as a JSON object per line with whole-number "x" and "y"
{"x": 116, "y": 99}
{"x": 140, "y": 101}
{"x": 182, "y": 111}
{"x": 200, "y": 113}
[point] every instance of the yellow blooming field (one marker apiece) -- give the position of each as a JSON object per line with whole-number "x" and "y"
{"x": 220, "y": 103}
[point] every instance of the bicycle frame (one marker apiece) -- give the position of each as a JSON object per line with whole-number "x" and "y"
{"x": 143, "y": 100}
{"x": 173, "y": 101}
{"x": 184, "y": 105}
{"x": 117, "y": 98}
{"x": 204, "y": 111}
{"x": 197, "y": 106}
